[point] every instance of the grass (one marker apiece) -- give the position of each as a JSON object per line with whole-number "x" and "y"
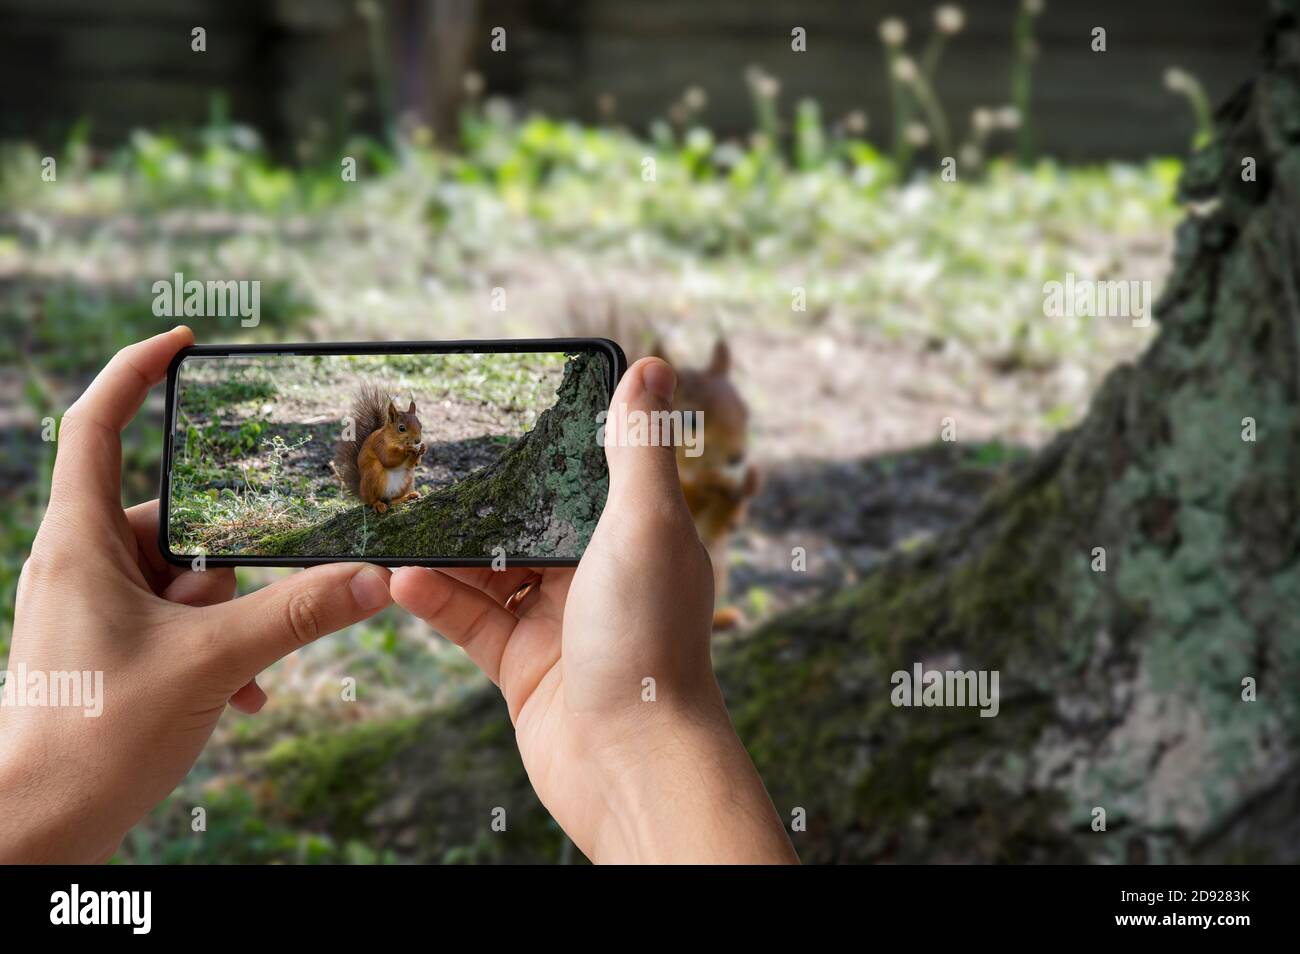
{"x": 235, "y": 830}
{"x": 737, "y": 226}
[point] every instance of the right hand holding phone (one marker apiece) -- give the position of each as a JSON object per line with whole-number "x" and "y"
{"x": 606, "y": 671}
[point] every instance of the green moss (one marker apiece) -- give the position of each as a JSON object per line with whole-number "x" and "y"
{"x": 809, "y": 693}
{"x": 338, "y": 775}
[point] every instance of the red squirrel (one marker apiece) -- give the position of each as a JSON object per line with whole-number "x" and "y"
{"x": 378, "y": 465}
{"x": 720, "y": 482}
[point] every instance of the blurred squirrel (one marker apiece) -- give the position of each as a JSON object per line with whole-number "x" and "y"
{"x": 378, "y": 465}
{"x": 719, "y": 482}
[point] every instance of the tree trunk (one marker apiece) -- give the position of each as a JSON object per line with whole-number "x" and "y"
{"x": 1123, "y": 689}
{"x": 541, "y": 497}
{"x": 432, "y": 42}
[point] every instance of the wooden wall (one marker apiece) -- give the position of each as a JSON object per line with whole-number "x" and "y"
{"x": 287, "y": 66}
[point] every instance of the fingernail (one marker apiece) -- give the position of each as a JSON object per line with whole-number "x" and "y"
{"x": 660, "y": 380}
{"x": 401, "y": 571}
{"x": 370, "y": 589}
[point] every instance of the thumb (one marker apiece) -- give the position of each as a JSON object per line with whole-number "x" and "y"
{"x": 640, "y": 451}
{"x": 262, "y": 627}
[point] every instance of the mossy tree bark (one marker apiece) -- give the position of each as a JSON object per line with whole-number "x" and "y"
{"x": 542, "y": 497}
{"x": 1121, "y": 689}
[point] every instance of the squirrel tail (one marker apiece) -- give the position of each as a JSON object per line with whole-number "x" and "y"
{"x": 369, "y": 412}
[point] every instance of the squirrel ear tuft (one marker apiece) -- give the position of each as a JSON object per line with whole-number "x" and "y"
{"x": 720, "y": 362}
{"x": 392, "y": 412}
{"x": 411, "y": 409}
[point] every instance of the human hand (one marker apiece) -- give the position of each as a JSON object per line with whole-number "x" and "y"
{"x": 96, "y": 596}
{"x": 627, "y": 778}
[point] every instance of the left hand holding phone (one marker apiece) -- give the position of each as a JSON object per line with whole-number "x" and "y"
{"x": 161, "y": 650}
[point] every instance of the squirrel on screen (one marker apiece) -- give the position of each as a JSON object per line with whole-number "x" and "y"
{"x": 378, "y": 465}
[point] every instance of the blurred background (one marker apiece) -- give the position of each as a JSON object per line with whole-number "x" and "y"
{"x": 767, "y": 175}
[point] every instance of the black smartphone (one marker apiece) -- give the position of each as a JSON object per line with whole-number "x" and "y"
{"x": 435, "y": 453}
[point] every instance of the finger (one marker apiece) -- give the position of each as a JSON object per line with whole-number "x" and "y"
{"x": 174, "y": 583}
{"x": 88, "y": 464}
{"x": 643, "y": 475}
{"x": 262, "y": 627}
{"x": 143, "y": 521}
{"x": 498, "y": 584}
{"x": 468, "y": 617}
{"x": 250, "y": 699}
{"x": 201, "y": 587}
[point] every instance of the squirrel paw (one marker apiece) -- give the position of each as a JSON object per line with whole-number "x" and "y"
{"x": 380, "y": 506}
{"x": 413, "y": 495}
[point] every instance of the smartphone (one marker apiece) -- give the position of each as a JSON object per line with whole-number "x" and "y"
{"x": 433, "y": 453}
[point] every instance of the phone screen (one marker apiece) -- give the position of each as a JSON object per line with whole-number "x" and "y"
{"x": 454, "y": 453}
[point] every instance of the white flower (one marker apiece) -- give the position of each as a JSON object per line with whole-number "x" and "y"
{"x": 905, "y": 69}
{"x": 499, "y": 112}
{"x": 893, "y": 32}
{"x": 763, "y": 84}
{"x": 699, "y": 140}
{"x": 855, "y": 123}
{"x": 473, "y": 85}
{"x": 917, "y": 134}
{"x": 1008, "y": 117}
{"x": 1177, "y": 81}
{"x": 949, "y": 18}
{"x": 983, "y": 120}
{"x": 695, "y": 99}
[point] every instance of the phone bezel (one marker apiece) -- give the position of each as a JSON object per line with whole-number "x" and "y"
{"x": 617, "y": 364}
